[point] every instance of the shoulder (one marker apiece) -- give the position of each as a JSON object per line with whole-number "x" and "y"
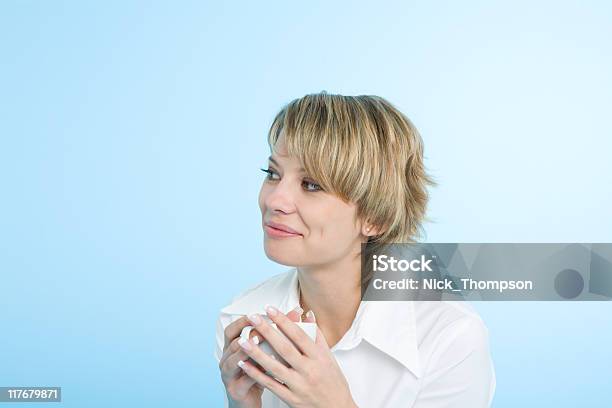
{"x": 447, "y": 325}
{"x": 455, "y": 356}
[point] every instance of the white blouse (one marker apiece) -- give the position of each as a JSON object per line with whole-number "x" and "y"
{"x": 419, "y": 354}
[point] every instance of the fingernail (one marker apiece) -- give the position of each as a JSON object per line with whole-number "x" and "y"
{"x": 310, "y": 315}
{"x": 244, "y": 343}
{"x": 255, "y": 339}
{"x": 272, "y": 311}
{"x": 299, "y": 310}
{"x": 241, "y": 364}
{"x": 255, "y": 319}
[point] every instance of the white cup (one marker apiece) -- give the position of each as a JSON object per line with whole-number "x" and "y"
{"x": 309, "y": 328}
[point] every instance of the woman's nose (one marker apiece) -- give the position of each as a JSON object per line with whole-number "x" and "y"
{"x": 281, "y": 198}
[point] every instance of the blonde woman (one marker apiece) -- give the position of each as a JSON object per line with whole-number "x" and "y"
{"x": 346, "y": 170}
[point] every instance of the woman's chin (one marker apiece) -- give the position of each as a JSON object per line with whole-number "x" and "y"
{"x": 280, "y": 256}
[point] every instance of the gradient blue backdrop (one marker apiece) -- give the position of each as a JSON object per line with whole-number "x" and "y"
{"x": 130, "y": 139}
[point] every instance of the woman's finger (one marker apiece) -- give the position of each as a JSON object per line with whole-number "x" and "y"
{"x": 278, "y": 341}
{"x": 275, "y": 386}
{"x": 310, "y": 317}
{"x": 320, "y": 339}
{"x": 228, "y": 351}
{"x": 295, "y": 315}
{"x": 269, "y": 364}
{"x": 234, "y": 347}
{"x": 243, "y": 384}
{"x": 233, "y": 329}
{"x": 230, "y": 366}
{"x": 293, "y": 332}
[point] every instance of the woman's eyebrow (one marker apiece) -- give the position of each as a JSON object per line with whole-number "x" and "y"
{"x": 276, "y": 163}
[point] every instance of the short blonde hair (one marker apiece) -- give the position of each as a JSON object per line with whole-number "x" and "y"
{"x": 365, "y": 151}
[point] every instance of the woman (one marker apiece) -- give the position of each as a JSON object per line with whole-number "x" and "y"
{"x": 346, "y": 170}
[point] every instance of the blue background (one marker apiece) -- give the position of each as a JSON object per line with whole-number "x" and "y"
{"x": 131, "y": 134}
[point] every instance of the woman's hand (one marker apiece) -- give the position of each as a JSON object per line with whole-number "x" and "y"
{"x": 242, "y": 391}
{"x": 313, "y": 379}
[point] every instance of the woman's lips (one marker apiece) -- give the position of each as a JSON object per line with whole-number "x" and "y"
{"x": 279, "y": 233}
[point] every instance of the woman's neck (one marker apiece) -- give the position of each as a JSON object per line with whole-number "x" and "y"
{"x": 333, "y": 293}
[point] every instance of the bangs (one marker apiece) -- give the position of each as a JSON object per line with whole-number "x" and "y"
{"x": 322, "y": 132}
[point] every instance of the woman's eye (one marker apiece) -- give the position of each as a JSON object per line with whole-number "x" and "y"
{"x": 310, "y": 186}
{"x": 270, "y": 174}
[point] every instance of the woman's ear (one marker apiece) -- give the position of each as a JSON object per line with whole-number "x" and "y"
{"x": 369, "y": 230}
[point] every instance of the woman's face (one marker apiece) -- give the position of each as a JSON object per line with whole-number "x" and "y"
{"x": 325, "y": 227}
